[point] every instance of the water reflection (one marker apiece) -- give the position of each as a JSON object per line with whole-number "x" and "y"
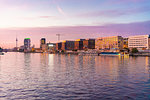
{"x": 46, "y": 76}
{"x": 147, "y": 63}
{"x": 50, "y": 60}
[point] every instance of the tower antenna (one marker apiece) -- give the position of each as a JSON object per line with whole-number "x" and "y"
{"x": 16, "y": 42}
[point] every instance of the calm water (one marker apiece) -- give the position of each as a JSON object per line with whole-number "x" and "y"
{"x": 48, "y": 76}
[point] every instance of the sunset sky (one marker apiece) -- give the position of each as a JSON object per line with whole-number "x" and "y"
{"x": 72, "y": 19}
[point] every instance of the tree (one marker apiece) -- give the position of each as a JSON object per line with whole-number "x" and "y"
{"x": 135, "y": 50}
{"x": 1, "y": 49}
{"x": 127, "y": 49}
{"x": 62, "y": 51}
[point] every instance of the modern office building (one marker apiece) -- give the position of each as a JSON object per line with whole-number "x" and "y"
{"x": 42, "y": 42}
{"x": 58, "y": 46}
{"x": 89, "y": 44}
{"x": 141, "y": 42}
{"x": 125, "y": 42}
{"x": 27, "y": 44}
{"x": 43, "y": 45}
{"x": 51, "y": 47}
{"x": 114, "y": 42}
{"x": 67, "y": 45}
{"x": 78, "y": 44}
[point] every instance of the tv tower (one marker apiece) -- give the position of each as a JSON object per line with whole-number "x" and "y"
{"x": 16, "y": 42}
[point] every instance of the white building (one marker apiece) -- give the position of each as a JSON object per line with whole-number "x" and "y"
{"x": 141, "y": 42}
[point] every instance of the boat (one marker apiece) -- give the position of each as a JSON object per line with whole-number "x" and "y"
{"x": 110, "y": 53}
{"x": 113, "y": 54}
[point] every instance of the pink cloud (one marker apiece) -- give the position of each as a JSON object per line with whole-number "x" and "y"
{"x": 42, "y": 17}
{"x": 71, "y": 32}
{"x": 61, "y": 11}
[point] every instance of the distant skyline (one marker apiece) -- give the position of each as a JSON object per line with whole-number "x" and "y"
{"x": 72, "y": 18}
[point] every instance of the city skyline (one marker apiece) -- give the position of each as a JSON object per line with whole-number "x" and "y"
{"x": 72, "y": 18}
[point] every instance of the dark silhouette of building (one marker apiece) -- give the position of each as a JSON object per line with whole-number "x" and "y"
{"x": 58, "y": 46}
{"x": 78, "y": 45}
{"x": 67, "y": 45}
{"x": 89, "y": 44}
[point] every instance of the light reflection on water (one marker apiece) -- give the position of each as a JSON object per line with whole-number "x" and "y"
{"x": 47, "y": 76}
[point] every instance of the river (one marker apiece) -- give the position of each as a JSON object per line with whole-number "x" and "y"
{"x": 53, "y": 77}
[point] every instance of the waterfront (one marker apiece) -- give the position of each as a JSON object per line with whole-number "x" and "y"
{"x": 52, "y": 76}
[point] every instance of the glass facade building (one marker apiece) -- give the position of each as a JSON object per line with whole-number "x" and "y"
{"x": 27, "y": 43}
{"x": 114, "y": 42}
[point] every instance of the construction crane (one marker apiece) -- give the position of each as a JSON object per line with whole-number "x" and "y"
{"x": 58, "y": 35}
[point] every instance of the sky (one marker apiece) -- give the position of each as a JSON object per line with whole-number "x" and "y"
{"x": 73, "y": 19}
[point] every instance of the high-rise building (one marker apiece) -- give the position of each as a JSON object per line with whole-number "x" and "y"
{"x": 141, "y": 42}
{"x": 42, "y": 42}
{"x": 27, "y": 44}
{"x": 43, "y": 45}
{"x": 125, "y": 42}
{"x": 113, "y": 42}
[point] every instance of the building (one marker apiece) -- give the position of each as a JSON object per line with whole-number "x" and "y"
{"x": 51, "y": 47}
{"x": 44, "y": 47}
{"x": 58, "y": 46}
{"x": 107, "y": 43}
{"x": 1, "y": 49}
{"x": 38, "y": 50}
{"x": 27, "y": 44}
{"x": 125, "y": 42}
{"x": 42, "y": 42}
{"x": 78, "y": 44}
{"x": 67, "y": 45}
{"x": 141, "y": 42}
{"x": 89, "y": 44}
{"x": 21, "y": 48}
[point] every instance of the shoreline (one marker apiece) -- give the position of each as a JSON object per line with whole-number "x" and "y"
{"x": 140, "y": 54}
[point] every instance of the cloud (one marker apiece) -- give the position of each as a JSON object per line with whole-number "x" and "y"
{"x": 72, "y": 32}
{"x": 48, "y": 17}
{"x": 41, "y": 17}
{"x": 136, "y": 27}
{"x": 115, "y": 12}
{"x": 60, "y": 10}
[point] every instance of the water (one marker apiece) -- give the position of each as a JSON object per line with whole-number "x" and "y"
{"x": 48, "y": 76}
